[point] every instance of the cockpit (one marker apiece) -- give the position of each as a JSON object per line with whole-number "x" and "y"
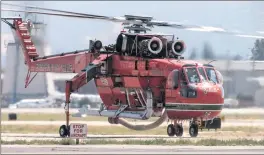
{"x": 200, "y": 74}
{"x": 190, "y": 75}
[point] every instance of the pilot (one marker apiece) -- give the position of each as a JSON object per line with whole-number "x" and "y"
{"x": 193, "y": 76}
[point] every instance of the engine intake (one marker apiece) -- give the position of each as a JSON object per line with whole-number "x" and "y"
{"x": 155, "y": 45}
{"x": 177, "y": 47}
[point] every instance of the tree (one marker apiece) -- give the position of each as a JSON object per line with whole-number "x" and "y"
{"x": 237, "y": 57}
{"x": 258, "y": 50}
{"x": 208, "y": 52}
{"x": 193, "y": 54}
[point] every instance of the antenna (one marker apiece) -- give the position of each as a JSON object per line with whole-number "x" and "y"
{"x": 211, "y": 61}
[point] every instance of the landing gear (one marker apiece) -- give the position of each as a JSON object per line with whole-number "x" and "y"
{"x": 64, "y": 131}
{"x": 178, "y": 130}
{"x": 175, "y": 129}
{"x": 171, "y": 130}
{"x": 193, "y": 130}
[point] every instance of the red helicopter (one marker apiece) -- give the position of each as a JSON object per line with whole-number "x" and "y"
{"x": 142, "y": 75}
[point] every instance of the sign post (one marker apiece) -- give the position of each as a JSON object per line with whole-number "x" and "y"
{"x": 78, "y": 131}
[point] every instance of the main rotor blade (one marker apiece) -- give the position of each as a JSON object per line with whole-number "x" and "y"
{"x": 203, "y": 29}
{"x": 113, "y": 19}
{"x": 123, "y": 20}
{"x": 55, "y": 10}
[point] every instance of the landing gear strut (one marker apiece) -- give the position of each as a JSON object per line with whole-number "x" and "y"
{"x": 175, "y": 129}
{"x": 64, "y": 130}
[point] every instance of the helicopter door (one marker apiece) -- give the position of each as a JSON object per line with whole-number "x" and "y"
{"x": 187, "y": 92}
{"x": 183, "y": 85}
{"x": 172, "y": 83}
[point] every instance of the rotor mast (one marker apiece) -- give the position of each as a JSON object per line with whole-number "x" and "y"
{"x": 138, "y": 28}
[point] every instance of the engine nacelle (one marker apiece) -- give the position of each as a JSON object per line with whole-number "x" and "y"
{"x": 144, "y": 46}
{"x": 155, "y": 45}
{"x": 151, "y": 46}
{"x": 177, "y": 47}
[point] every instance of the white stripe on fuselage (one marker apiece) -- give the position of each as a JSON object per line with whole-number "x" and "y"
{"x": 198, "y": 104}
{"x": 192, "y": 110}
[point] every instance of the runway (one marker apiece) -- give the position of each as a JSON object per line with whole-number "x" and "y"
{"x": 130, "y": 149}
{"x": 229, "y": 122}
{"x": 202, "y": 135}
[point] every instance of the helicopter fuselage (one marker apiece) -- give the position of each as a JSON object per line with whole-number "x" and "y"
{"x": 186, "y": 89}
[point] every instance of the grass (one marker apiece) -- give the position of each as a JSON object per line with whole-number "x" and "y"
{"x": 202, "y": 142}
{"x": 117, "y": 130}
{"x": 61, "y": 117}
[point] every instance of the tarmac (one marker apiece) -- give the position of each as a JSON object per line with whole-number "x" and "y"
{"x": 226, "y": 123}
{"x": 130, "y": 149}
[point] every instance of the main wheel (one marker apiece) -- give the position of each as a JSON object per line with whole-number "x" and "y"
{"x": 171, "y": 130}
{"x": 193, "y": 130}
{"x": 178, "y": 130}
{"x": 63, "y": 131}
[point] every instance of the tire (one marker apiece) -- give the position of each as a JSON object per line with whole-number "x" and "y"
{"x": 63, "y": 131}
{"x": 171, "y": 130}
{"x": 193, "y": 130}
{"x": 179, "y": 130}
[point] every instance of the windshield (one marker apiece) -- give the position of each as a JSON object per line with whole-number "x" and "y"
{"x": 192, "y": 75}
{"x": 202, "y": 73}
{"x": 211, "y": 75}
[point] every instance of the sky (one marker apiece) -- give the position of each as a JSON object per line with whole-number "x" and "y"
{"x": 69, "y": 34}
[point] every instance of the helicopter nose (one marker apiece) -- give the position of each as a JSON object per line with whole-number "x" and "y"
{"x": 212, "y": 94}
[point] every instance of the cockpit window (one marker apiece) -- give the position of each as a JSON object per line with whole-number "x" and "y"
{"x": 220, "y": 77}
{"x": 211, "y": 75}
{"x": 192, "y": 75}
{"x": 202, "y": 73}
